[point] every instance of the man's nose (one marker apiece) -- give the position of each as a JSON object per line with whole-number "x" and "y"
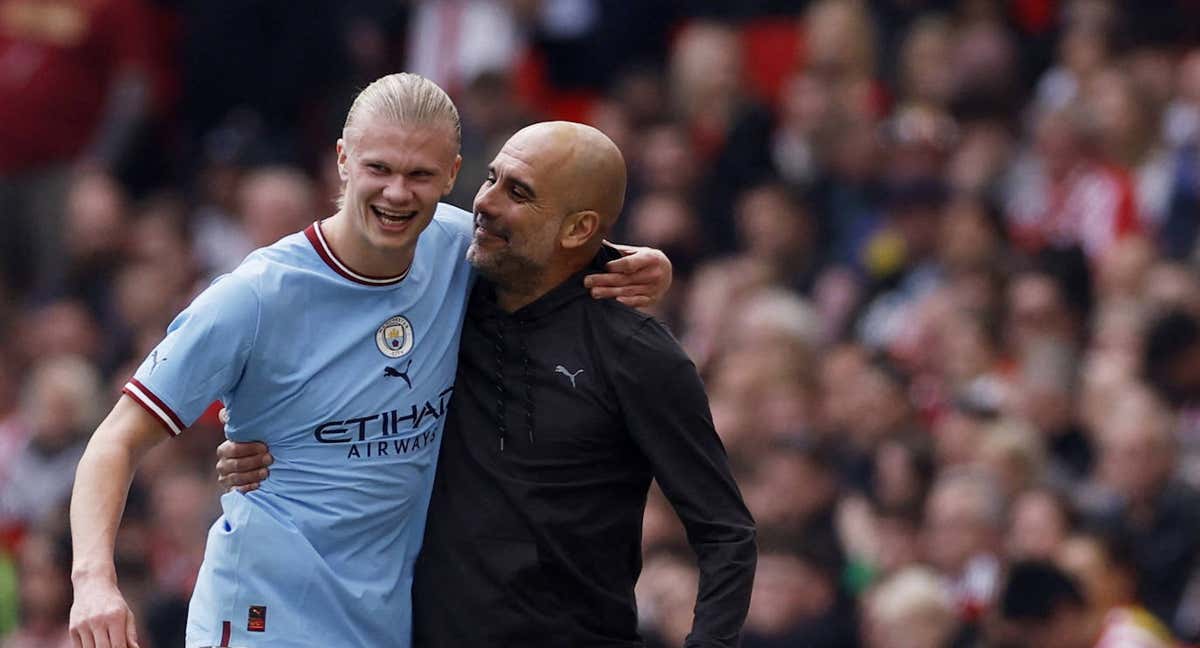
{"x": 398, "y": 190}
{"x": 484, "y": 198}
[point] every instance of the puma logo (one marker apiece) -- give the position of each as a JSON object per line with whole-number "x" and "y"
{"x": 563, "y": 370}
{"x": 392, "y": 372}
{"x": 155, "y": 361}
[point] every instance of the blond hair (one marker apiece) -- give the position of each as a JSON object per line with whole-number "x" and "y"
{"x": 405, "y": 98}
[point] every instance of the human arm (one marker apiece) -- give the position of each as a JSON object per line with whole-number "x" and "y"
{"x": 666, "y": 411}
{"x": 639, "y": 278}
{"x": 200, "y": 359}
{"x": 100, "y": 617}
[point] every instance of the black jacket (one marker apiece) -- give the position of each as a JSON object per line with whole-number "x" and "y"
{"x": 562, "y": 414}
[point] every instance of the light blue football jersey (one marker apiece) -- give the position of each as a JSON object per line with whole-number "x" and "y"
{"x": 347, "y": 378}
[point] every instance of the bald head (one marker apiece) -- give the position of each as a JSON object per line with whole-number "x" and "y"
{"x": 579, "y": 161}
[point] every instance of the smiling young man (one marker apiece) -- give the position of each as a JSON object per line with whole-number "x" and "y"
{"x": 337, "y": 345}
{"x": 565, "y": 408}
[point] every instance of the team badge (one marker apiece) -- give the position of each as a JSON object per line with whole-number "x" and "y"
{"x": 395, "y": 337}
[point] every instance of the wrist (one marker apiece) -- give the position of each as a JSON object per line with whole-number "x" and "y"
{"x": 83, "y": 575}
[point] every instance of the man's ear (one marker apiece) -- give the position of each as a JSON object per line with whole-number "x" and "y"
{"x": 579, "y": 228}
{"x": 342, "y": 160}
{"x": 453, "y": 175}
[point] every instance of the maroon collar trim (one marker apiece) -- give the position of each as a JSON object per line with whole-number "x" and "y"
{"x": 317, "y": 239}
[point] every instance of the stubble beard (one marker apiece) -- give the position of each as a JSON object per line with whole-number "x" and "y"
{"x": 510, "y": 272}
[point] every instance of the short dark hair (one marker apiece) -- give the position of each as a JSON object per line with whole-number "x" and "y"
{"x": 1068, "y": 267}
{"x": 1166, "y": 339}
{"x": 820, "y": 554}
{"x": 1036, "y": 590}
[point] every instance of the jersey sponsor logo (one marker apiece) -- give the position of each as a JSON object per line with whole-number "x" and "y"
{"x": 395, "y": 337}
{"x": 377, "y": 435}
{"x": 256, "y": 619}
{"x": 392, "y": 448}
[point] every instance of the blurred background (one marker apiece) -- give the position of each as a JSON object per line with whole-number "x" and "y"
{"x": 936, "y": 260}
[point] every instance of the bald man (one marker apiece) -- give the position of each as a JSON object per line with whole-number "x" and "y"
{"x": 564, "y": 410}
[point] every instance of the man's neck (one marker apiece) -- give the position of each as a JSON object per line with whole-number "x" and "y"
{"x": 512, "y": 296}
{"x": 355, "y": 251}
{"x": 511, "y": 301}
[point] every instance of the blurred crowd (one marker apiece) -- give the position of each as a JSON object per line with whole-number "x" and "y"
{"x": 938, "y": 262}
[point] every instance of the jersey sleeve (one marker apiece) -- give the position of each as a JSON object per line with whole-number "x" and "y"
{"x": 202, "y": 356}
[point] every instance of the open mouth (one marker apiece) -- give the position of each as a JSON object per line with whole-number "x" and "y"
{"x": 388, "y": 217}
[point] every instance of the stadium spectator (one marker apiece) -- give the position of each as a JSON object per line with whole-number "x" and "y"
{"x": 74, "y": 90}
{"x": 666, "y": 595}
{"x": 1040, "y": 605}
{"x": 963, "y": 535}
{"x": 95, "y": 231}
{"x": 62, "y": 402}
{"x": 1066, "y": 194}
{"x": 909, "y": 609}
{"x": 1160, "y": 513}
{"x": 13, "y": 430}
{"x": 1103, "y": 567}
{"x": 45, "y": 594}
{"x": 798, "y": 600}
{"x": 1040, "y": 522}
{"x": 793, "y": 490}
{"x": 777, "y": 231}
{"x": 274, "y": 202}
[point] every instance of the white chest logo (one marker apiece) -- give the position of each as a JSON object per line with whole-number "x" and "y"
{"x": 563, "y": 370}
{"x": 394, "y": 337}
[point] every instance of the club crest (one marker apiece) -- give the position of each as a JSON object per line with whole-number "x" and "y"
{"x": 394, "y": 337}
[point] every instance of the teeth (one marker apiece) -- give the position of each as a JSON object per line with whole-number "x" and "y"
{"x": 391, "y": 215}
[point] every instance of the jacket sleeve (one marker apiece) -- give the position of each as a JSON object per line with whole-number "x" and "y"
{"x": 666, "y": 411}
